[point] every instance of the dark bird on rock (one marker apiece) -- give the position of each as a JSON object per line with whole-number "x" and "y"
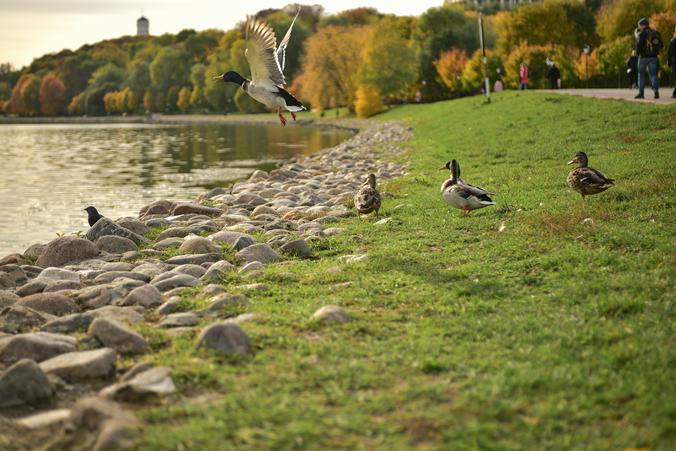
{"x": 586, "y": 180}
{"x": 92, "y": 215}
{"x": 367, "y": 198}
{"x": 266, "y": 61}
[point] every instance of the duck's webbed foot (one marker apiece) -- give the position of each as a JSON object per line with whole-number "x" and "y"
{"x": 293, "y": 115}
{"x": 281, "y": 117}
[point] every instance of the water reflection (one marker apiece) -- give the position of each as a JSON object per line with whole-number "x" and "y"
{"x": 50, "y": 172}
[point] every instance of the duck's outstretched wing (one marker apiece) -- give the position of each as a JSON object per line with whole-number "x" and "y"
{"x": 281, "y": 49}
{"x": 261, "y": 53}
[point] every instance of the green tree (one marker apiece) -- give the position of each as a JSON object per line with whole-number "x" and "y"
{"x": 171, "y": 67}
{"x": 107, "y": 75}
{"x": 390, "y": 61}
{"x": 139, "y": 77}
{"x": 198, "y": 81}
{"x": 171, "y": 105}
{"x": 619, "y": 18}
{"x": 612, "y": 57}
{"x": 183, "y": 102}
{"x": 472, "y": 75}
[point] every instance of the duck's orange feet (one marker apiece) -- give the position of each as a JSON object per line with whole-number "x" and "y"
{"x": 282, "y": 119}
{"x": 293, "y": 115}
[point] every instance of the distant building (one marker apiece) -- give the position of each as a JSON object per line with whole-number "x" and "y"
{"x": 497, "y": 4}
{"x": 142, "y": 26}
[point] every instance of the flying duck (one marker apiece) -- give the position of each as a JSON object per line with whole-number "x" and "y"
{"x": 586, "y": 180}
{"x": 367, "y": 198}
{"x": 462, "y": 195}
{"x": 266, "y": 61}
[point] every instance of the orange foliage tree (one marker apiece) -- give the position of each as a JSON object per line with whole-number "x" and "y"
{"x": 25, "y": 98}
{"x": 368, "y": 101}
{"x": 587, "y": 66}
{"x": 52, "y": 95}
{"x": 450, "y": 66}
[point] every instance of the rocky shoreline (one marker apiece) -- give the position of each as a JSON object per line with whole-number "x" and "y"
{"x": 70, "y": 309}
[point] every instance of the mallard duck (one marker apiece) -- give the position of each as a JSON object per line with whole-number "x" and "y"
{"x": 266, "y": 61}
{"x": 463, "y": 195}
{"x": 586, "y": 180}
{"x": 367, "y": 198}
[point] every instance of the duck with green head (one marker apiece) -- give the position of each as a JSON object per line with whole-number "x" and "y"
{"x": 459, "y": 194}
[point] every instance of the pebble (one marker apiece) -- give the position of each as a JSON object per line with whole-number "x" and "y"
{"x": 331, "y": 313}
{"x": 45, "y": 419}
{"x": 153, "y": 381}
{"x": 178, "y": 280}
{"x": 186, "y": 319}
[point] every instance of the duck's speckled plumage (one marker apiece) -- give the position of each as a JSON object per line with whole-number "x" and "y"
{"x": 367, "y": 199}
{"x": 586, "y": 180}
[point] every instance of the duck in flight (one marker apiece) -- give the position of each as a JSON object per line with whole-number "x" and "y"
{"x": 266, "y": 61}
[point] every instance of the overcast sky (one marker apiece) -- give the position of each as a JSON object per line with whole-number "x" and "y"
{"x": 31, "y": 28}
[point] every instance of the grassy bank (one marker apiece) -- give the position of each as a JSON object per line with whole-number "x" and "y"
{"x": 551, "y": 334}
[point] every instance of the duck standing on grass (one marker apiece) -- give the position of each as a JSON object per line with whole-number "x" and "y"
{"x": 462, "y": 195}
{"x": 266, "y": 61}
{"x": 367, "y": 198}
{"x": 586, "y": 180}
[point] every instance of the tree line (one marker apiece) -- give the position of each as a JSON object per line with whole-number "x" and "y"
{"x": 359, "y": 58}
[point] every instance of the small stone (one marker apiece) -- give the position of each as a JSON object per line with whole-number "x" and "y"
{"x": 45, "y": 419}
{"x": 18, "y": 318}
{"x": 258, "y": 252}
{"x": 52, "y": 303}
{"x": 192, "y": 207}
{"x": 13, "y": 259}
{"x": 105, "y": 226}
{"x": 218, "y": 270}
{"x": 68, "y": 323}
{"x": 298, "y": 248}
{"x": 146, "y": 296}
{"x": 7, "y": 298}
{"x": 264, "y": 210}
{"x": 252, "y": 267}
{"x": 227, "y": 300}
{"x": 116, "y": 335}
{"x": 114, "y": 426}
{"x": 169, "y": 306}
{"x": 254, "y": 287}
{"x": 212, "y": 289}
{"x": 115, "y": 244}
{"x": 225, "y": 338}
{"x": 186, "y": 319}
{"x": 32, "y": 287}
{"x": 199, "y": 245}
{"x": 173, "y": 232}
{"x": 36, "y": 346}
{"x": 587, "y": 221}
{"x": 232, "y": 238}
{"x": 192, "y": 270}
{"x": 134, "y": 370}
{"x": 151, "y": 270}
{"x": 134, "y": 225}
{"x": 354, "y": 258}
{"x": 331, "y": 313}
{"x": 383, "y": 221}
{"x": 333, "y": 231}
{"x": 66, "y": 249}
{"x": 81, "y": 365}
{"x": 34, "y": 251}
{"x": 159, "y": 207}
{"x": 129, "y": 315}
{"x": 117, "y": 266}
{"x": 168, "y": 243}
{"x": 154, "y": 381}
{"x": 62, "y": 285}
{"x": 196, "y": 259}
{"x": 179, "y": 280}
{"x": 16, "y": 274}
{"x": 108, "y": 277}
{"x": 24, "y": 383}
{"x": 6, "y": 281}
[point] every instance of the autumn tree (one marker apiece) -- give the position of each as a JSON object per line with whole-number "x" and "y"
{"x": 612, "y": 58}
{"x": 587, "y": 65}
{"x": 25, "y": 98}
{"x": 183, "y": 102}
{"x": 450, "y": 66}
{"x": 331, "y": 67}
{"x": 52, "y": 95}
{"x": 619, "y": 18}
{"x": 390, "y": 61}
{"x": 535, "y": 57}
{"x": 369, "y": 101}
{"x": 664, "y": 22}
{"x": 472, "y": 74}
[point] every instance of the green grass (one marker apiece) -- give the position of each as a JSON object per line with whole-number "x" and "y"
{"x": 551, "y": 334}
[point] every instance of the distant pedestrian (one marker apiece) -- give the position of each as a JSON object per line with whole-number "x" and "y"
{"x": 523, "y": 77}
{"x": 648, "y": 46}
{"x": 632, "y": 69}
{"x": 499, "y": 85}
{"x": 554, "y": 75}
{"x": 671, "y": 61}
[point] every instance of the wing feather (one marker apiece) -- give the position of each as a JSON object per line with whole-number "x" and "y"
{"x": 261, "y": 54}
{"x": 281, "y": 49}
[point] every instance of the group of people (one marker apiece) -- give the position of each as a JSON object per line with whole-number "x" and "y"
{"x": 644, "y": 58}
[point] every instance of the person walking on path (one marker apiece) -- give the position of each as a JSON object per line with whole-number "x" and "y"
{"x": 554, "y": 75}
{"x": 648, "y": 46}
{"x": 632, "y": 69}
{"x": 671, "y": 61}
{"x": 523, "y": 77}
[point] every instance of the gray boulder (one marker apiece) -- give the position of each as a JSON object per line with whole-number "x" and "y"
{"x": 115, "y": 244}
{"x": 151, "y": 382}
{"x": 24, "y": 383}
{"x": 185, "y": 319}
{"x": 218, "y": 270}
{"x": 199, "y": 245}
{"x": 258, "y": 252}
{"x": 192, "y": 207}
{"x": 52, "y": 303}
{"x": 225, "y": 338}
{"x": 81, "y": 365}
{"x": 146, "y": 296}
{"x": 116, "y": 335}
{"x": 66, "y": 249}
{"x": 36, "y": 346}
{"x": 68, "y": 323}
{"x": 297, "y": 248}
{"x": 179, "y": 280}
{"x": 18, "y": 318}
{"x": 331, "y": 313}
{"x": 134, "y": 225}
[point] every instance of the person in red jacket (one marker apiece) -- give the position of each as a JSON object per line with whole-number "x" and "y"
{"x": 523, "y": 76}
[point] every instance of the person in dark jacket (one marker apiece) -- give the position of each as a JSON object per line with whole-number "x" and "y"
{"x": 671, "y": 61}
{"x": 632, "y": 69}
{"x": 554, "y": 75}
{"x": 648, "y": 46}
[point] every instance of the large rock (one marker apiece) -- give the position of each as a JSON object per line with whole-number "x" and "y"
{"x": 331, "y": 313}
{"x": 199, "y": 245}
{"x": 24, "y": 383}
{"x": 18, "y": 318}
{"x": 52, "y": 303}
{"x": 151, "y": 382}
{"x": 105, "y": 226}
{"x": 192, "y": 207}
{"x": 225, "y": 338}
{"x": 36, "y": 346}
{"x": 81, "y": 365}
{"x": 116, "y": 335}
{"x": 257, "y": 253}
{"x": 218, "y": 271}
{"x": 146, "y": 296}
{"x": 115, "y": 244}
{"x": 61, "y": 285}
{"x": 134, "y": 225}
{"x": 297, "y": 248}
{"x": 179, "y": 280}
{"x": 66, "y": 249}
{"x": 69, "y": 323}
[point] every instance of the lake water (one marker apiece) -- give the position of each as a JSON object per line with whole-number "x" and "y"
{"x": 49, "y": 173}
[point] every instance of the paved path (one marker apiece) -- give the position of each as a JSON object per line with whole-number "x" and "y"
{"x": 622, "y": 94}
